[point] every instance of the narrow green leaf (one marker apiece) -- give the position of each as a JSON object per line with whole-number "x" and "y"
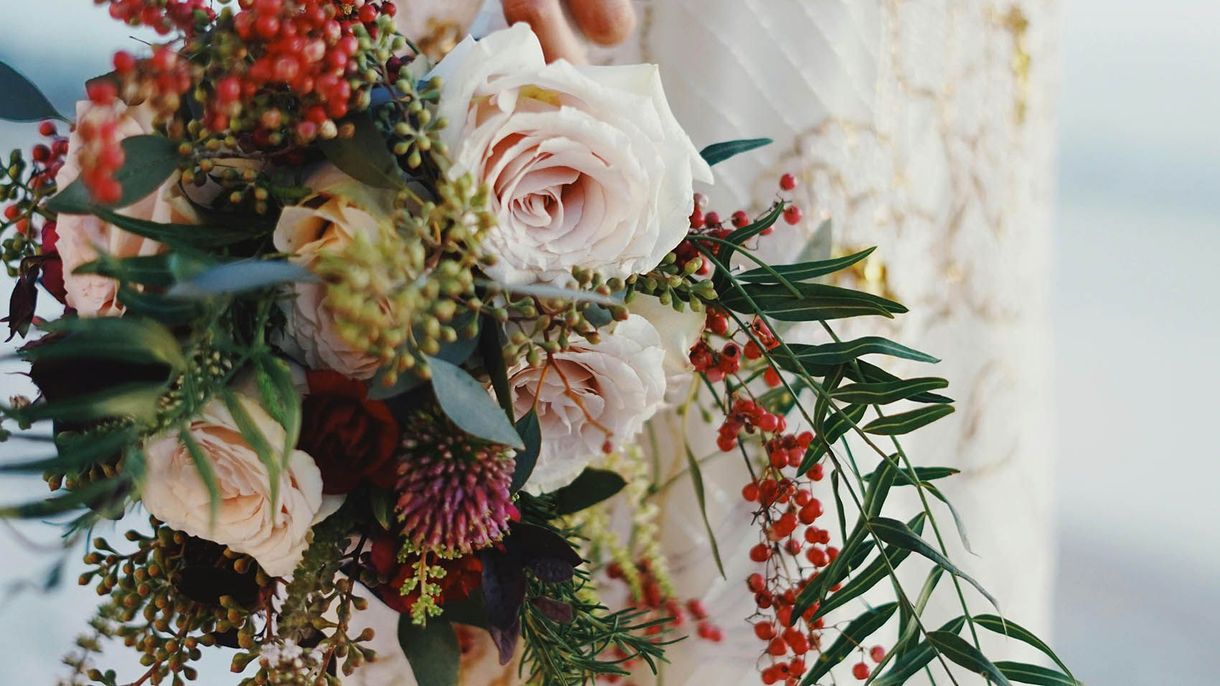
{"x": 958, "y": 522}
{"x": 590, "y": 488}
{"x": 856, "y": 548}
{"x": 921, "y": 473}
{"x": 803, "y": 271}
{"x": 847, "y": 351}
{"x": 866, "y": 372}
{"x": 97, "y": 492}
{"x": 149, "y": 161}
{"x": 22, "y": 100}
{"x": 365, "y": 156}
{"x": 852, "y": 636}
{"x": 877, "y": 571}
{"x": 432, "y": 651}
{"x": 1033, "y": 674}
{"x": 233, "y": 278}
{"x": 77, "y": 452}
{"x": 141, "y": 341}
{"x": 381, "y": 502}
{"x": 148, "y": 270}
{"x": 207, "y": 473}
{"x": 530, "y": 431}
{"x": 696, "y": 477}
{"x": 836, "y": 427}
{"x": 258, "y": 442}
{"x": 885, "y": 393}
{"x": 145, "y": 304}
{"x": 898, "y": 534}
{"x": 468, "y": 404}
{"x": 958, "y": 650}
{"x": 879, "y": 488}
{"x": 190, "y": 235}
{"x": 718, "y": 152}
{"x": 915, "y": 659}
{"x": 491, "y": 349}
{"x": 138, "y": 401}
{"x": 811, "y": 302}
{"x": 280, "y": 397}
{"x": 906, "y": 422}
{"x": 908, "y": 628}
{"x": 1004, "y": 627}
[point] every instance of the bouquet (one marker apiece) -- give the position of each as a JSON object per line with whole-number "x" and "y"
{"x": 351, "y": 326}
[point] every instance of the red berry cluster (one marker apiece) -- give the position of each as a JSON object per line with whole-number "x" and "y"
{"x": 861, "y": 670}
{"x": 162, "y": 16}
{"x": 709, "y": 223}
{"x": 727, "y": 360}
{"x": 101, "y": 152}
{"x": 306, "y": 48}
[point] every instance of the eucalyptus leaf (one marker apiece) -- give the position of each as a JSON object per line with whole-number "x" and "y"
{"x": 468, "y": 404}
{"x": 530, "y": 431}
{"x": 590, "y": 488}
{"x": 719, "y": 152}
{"x": 366, "y": 155}
{"x": 22, "y": 100}
{"x": 149, "y": 161}
{"x": 233, "y": 278}
{"x": 432, "y": 651}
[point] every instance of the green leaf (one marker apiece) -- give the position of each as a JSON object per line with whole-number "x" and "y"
{"x": 898, "y": 534}
{"x": 853, "y": 635}
{"x": 877, "y": 571}
{"x": 879, "y": 488}
{"x": 696, "y": 478}
{"x": 906, "y": 422}
{"x": 803, "y": 271}
{"x": 921, "y": 473}
{"x": 157, "y": 307}
{"x": 491, "y": 347}
{"x": 855, "y": 549}
{"x": 590, "y": 488}
{"x": 847, "y": 351}
{"x": 149, "y": 270}
{"x": 468, "y": 404}
{"x": 189, "y": 235}
{"x": 141, "y": 341}
{"x": 239, "y": 277}
{"x": 915, "y": 659}
{"x": 1033, "y": 674}
{"x": 810, "y": 302}
{"x": 77, "y": 451}
{"x": 886, "y": 392}
{"x": 718, "y": 152}
{"x": 866, "y": 372}
{"x": 22, "y": 100}
{"x": 381, "y": 502}
{"x": 835, "y": 428}
{"x": 86, "y": 496}
{"x": 149, "y": 161}
{"x": 257, "y": 440}
{"x": 138, "y": 401}
{"x": 530, "y": 431}
{"x": 280, "y": 397}
{"x": 432, "y": 651}
{"x": 365, "y": 156}
{"x": 1004, "y": 627}
{"x": 553, "y": 292}
{"x": 456, "y": 352}
{"x": 908, "y": 627}
{"x": 958, "y": 522}
{"x": 958, "y": 650}
{"x": 207, "y": 473}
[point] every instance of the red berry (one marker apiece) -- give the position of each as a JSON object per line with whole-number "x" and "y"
{"x": 760, "y": 553}
{"x": 860, "y": 671}
{"x": 741, "y": 219}
{"x": 787, "y": 182}
{"x": 792, "y": 214}
{"x": 756, "y": 583}
{"x": 777, "y": 647}
{"x": 877, "y": 653}
{"x": 750, "y": 492}
{"x": 765, "y": 631}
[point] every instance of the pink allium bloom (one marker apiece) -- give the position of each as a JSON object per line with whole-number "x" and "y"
{"x": 453, "y": 496}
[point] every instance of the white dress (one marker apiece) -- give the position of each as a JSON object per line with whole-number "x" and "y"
{"x": 925, "y": 127}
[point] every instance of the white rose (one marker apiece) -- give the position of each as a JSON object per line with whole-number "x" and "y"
{"x": 83, "y": 237}
{"x": 329, "y": 220}
{"x": 587, "y": 165}
{"x": 591, "y": 394}
{"x": 679, "y": 332}
{"x": 175, "y": 493}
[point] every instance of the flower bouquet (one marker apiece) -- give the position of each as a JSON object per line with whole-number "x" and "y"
{"x": 350, "y": 326}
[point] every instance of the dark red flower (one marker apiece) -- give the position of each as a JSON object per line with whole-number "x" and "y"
{"x": 351, "y": 438}
{"x": 52, "y": 265}
{"x": 462, "y": 575}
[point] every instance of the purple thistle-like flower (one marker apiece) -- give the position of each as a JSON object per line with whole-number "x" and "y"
{"x": 453, "y": 496}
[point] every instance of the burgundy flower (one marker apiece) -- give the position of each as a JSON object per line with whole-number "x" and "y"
{"x": 52, "y": 265}
{"x": 353, "y": 439}
{"x": 462, "y": 575}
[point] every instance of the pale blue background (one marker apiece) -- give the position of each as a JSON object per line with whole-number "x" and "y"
{"x": 1136, "y": 291}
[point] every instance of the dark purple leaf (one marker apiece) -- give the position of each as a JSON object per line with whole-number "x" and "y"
{"x": 23, "y": 301}
{"x": 554, "y": 610}
{"x": 503, "y": 596}
{"x": 506, "y": 640}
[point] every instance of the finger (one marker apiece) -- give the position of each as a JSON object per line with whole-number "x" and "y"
{"x": 605, "y": 22}
{"x": 550, "y": 24}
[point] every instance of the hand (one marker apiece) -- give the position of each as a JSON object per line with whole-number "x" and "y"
{"x": 605, "y": 22}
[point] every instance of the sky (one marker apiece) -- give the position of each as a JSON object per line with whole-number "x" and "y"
{"x": 1136, "y": 330}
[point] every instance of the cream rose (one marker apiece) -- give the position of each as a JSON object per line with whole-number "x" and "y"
{"x": 83, "y": 237}
{"x": 174, "y": 491}
{"x": 679, "y": 332}
{"x": 329, "y": 220}
{"x": 591, "y": 394}
{"x": 587, "y": 165}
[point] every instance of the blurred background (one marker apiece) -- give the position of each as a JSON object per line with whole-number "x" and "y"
{"x": 1136, "y": 329}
